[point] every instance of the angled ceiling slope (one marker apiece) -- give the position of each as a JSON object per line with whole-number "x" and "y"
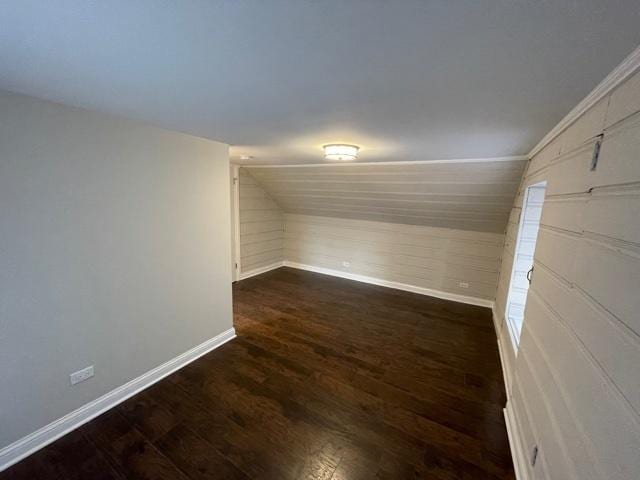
{"x": 467, "y": 196}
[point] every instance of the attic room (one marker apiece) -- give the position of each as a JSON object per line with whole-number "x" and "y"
{"x": 333, "y": 240}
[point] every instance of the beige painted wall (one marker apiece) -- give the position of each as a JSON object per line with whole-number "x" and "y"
{"x": 428, "y": 257}
{"x": 261, "y": 226}
{"x": 575, "y": 383}
{"x": 114, "y": 252}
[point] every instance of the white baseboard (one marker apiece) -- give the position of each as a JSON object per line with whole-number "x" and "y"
{"x": 258, "y": 271}
{"x": 517, "y": 453}
{"x": 33, "y": 442}
{"x": 399, "y": 286}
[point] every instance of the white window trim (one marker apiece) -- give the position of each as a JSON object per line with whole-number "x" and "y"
{"x": 513, "y": 334}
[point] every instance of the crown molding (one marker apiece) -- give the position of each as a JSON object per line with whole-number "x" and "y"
{"x": 622, "y": 72}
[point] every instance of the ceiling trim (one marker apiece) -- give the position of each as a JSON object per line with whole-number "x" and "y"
{"x": 515, "y": 158}
{"x": 622, "y": 72}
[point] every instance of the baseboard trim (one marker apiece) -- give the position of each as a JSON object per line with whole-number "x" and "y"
{"x": 33, "y": 442}
{"x": 517, "y": 453}
{"x": 399, "y": 286}
{"x": 258, "y": 271}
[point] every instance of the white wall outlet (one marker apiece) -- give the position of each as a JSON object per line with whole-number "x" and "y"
{"x": 464, "y": 284}
{"x": 81, "y": 375}
{"x": 346, "y": 264}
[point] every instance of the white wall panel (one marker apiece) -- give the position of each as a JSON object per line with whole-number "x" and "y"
{"x": 565, "y": 213}
{"x": 591, "y": 413}
{"x": 529, "y": 436}
{"x": 569, "y": 173}
{"x": 436, "y": 258}
{"x": 612, "y": 279}
{"x": 557, "y": 249}
{"x": 539, "y": 406}
{"x": 611, "y": 344}
{"x": 625, "y": 101}
{"x": 575, "y": 389}
{"x": 545, "y": 156}
{"x": 261, "y": 226}
{"x": 609, "y": 213}
{"x": 584, "y": 128}
{"x": 463, "y": 196}
{"x": 620, "y": 157}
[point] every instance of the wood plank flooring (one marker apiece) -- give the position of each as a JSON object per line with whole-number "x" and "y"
{"x": 328, "y": 379}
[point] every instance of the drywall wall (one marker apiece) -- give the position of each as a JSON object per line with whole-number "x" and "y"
{"x": 427, "y": 257}
{"x": 574, "y": 385}
{"x": 114, "y": 252}
{"x": 261, "y": 227}
{"x": 461, "y": 195}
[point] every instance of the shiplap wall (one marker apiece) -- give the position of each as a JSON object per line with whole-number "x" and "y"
{"x": 575, "y": 384}
{"x": 428, "y": 257}
{"x": 464, "y": 195}
{"x": 261, "y": 226}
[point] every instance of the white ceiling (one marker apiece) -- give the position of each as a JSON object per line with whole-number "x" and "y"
{"x": 406, "y": 80}
{"x": 467, "y": 196}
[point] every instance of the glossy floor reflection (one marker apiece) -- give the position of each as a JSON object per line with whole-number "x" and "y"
{"x": 328, "y": 379}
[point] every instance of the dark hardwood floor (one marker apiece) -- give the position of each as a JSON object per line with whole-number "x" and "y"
{"x": 328, "y": 379}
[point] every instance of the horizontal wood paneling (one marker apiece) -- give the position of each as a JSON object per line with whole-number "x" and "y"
{"x": 527, "y": 430}
{"x": 609, "y": 341}
{"x": 575, "y": 389}
{"x": 611, "y": 278}
{"x": 539, "y": 406}
{"x": 261, "y": 226}
{"x": 465, "y": 196}
{"x": 429, "y": 185}
{"x": 624, "y": 101}
{"x": 589, "y": 412}
{"x": 422, "y": 256}
{"x": 586, "y": 127}
{"x": 400, "y": 197}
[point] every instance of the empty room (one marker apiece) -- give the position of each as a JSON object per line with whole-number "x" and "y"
{"x": 320, "y": 240}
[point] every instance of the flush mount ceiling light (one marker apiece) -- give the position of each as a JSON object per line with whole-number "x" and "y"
{"x": 340, "y": 152}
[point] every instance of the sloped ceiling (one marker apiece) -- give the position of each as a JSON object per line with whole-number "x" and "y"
{"x": 468, "y": 196}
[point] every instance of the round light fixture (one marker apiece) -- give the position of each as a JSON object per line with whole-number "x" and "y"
{"x": 340, "y": 152}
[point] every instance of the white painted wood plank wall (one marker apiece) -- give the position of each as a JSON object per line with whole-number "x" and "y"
{"x": 429, "y": 257}
{"x": 463, "y": 195}
{"x": 575, "y": 384}
{"x": 261, "y": 226}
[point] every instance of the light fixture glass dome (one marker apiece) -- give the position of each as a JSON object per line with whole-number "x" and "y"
{"x": 340, "y": 152}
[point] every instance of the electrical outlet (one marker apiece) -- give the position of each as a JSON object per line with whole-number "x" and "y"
{"x": 81, "y": 375}
{"x": 464, "y": 284}
{"x": 346, "y": 264}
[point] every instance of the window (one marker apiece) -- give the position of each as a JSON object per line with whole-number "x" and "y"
{"x": 522, "y": 270}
